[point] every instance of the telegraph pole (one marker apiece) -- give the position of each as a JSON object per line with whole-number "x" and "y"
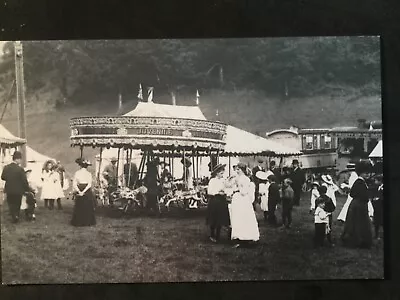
{"x": 19, "y": 78}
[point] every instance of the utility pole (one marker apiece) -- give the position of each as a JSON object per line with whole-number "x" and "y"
{"x": 19, "y": 78}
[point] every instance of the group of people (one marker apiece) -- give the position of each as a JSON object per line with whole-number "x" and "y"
{"x": 21, "y": 190}
{"x": 231, "y": 200}
{"x": 364, "y": 203}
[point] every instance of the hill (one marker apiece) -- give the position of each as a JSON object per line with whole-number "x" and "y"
{"x": 48, "y": 132}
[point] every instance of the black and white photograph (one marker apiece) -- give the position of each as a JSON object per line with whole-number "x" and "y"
{"x": 191, "y": 160}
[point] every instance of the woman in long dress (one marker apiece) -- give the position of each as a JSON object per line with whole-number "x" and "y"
{"x": 357, "y": 228}
{"x": 83, "y": 214}
{"x": 343, "y": 213}
{"x": 217, "y": 209}
{"x": 51, "y": 185}
{"x": 243, "y": 218}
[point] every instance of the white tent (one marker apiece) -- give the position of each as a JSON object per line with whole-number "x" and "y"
{"x": 34, "y": 159}
{"x": 378, "y": 151}
{"x": 239, "y": 142}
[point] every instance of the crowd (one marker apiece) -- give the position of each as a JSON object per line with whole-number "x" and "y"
{"x": 232, "y": 201}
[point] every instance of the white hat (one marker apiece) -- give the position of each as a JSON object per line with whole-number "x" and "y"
{"x": 327, "y": 179}
{"x": 262, "y": 175}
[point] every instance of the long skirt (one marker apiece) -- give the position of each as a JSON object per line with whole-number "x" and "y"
{"x": 83, "y": 214}
{"x": 218, "y": 212}
{"x": 357, "y": 228}
{"x": 343, "y": 212}
{"x": 243, "y": 219}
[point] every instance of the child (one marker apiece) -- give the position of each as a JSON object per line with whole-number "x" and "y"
{"x": 263, "y": 191}
{"x": 329, "y": 208}
{"x": 273, "y": 199}
{"x": 321, "y": 224}
{"x": 377, "y": 203}
{"x": 30, "y": 198}
{"x": 287, "y": 203}
{"x": 314, "y": 195}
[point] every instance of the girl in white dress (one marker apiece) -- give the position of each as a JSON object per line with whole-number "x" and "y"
{"x": 332, "y": 188}
{"x": 263, "y": 191}
{"x": 51, "y": 185}
{"x": 243, "y": 218}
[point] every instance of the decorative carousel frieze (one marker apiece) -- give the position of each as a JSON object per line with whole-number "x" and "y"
{"x": 147, "y": 131}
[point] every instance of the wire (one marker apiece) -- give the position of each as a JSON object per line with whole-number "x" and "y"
{"x": 8, "y": 100}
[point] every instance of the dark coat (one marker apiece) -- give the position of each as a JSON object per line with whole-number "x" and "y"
{"x": 298, "y": 178}
{"x": 357, "y": 228}
{"x": 273, "y": 196}
{"x": 329, "y": 205}
{"x": 15, "y": 178}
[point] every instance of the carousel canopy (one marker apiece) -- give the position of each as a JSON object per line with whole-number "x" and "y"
{"x": 240, "y": 142}
{"x": 150, "y": 125}
{"x": 378, "y": 151}
{"x": 151, "y": 109}
{"x": 8, "y": 140}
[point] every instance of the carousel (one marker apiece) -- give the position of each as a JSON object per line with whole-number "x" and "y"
{"x": 160, "y": 134}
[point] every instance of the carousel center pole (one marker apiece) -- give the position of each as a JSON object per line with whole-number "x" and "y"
{"x": 229, "y": 161}
{"x": 81, "y": 149}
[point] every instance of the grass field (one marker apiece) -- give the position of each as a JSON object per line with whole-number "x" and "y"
{"x": 171, "y": 249}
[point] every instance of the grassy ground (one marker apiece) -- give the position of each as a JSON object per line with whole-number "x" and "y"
{"x": 144, "y": 249}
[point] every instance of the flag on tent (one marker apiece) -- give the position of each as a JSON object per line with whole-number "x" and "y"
{"x": 140, "y": 95}
{"x": 150, "y": 94}
{"x": 197, "y": 97}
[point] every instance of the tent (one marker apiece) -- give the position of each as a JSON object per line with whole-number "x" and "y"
{"x": 240, "y": 142}
{"x": 8, "y": 140}
{"x": 34, "y": 159}
{"x": 378, "y": 151}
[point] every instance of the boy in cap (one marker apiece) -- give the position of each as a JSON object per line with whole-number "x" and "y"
{"x": 30, "y": 197}
{"x": 329, "y": 208}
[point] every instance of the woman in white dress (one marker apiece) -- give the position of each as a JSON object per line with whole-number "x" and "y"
{"x": 243, "y": 218}
{"x": 332, "y": 188}
{"x": 51, "y": 185}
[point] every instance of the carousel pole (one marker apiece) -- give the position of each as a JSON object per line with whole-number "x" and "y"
{"x": 193, "y": 164}
{"x": 100, "y": 160}
{"x": 119, "y": 155}
{"x": 184, "y": 165}
{"x": 129, "y": 167}
{"x": 197, "y": 163}
{"x": 229, "y": 161}
{"x": 141, "y": 167}
{"x": 172, "y": 165}
{"x": 81, "y": 149}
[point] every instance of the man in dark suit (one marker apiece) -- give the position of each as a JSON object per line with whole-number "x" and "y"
{"x": 298, "y": 179}
{"x": 16, "y": 185}
{"x": 276, "y": 171}
{"x": 257, "y": 181}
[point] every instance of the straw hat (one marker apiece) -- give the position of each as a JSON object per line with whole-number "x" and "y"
{"x": 327, "y": 179}
{"x": 262, "y": 175}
